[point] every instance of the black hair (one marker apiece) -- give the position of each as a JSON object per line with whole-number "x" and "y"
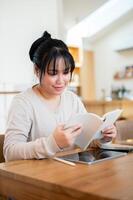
{"x": 46, "y": 50}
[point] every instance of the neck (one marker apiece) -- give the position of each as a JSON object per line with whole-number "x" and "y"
{"x": 52, "y": 102}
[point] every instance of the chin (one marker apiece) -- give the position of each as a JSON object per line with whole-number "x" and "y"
{"x": 59, "y": 92}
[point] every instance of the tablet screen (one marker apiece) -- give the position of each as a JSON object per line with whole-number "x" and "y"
{"x": 93, "y": 156}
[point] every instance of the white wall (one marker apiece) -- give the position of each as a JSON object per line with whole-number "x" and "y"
{"x": 21, "y": 22}
{"x": 108, "y": 61}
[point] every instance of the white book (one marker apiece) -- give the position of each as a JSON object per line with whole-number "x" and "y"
{"x": 92, "y": 126}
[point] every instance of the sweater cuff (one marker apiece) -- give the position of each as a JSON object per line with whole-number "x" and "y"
{"x": 53, "y": 145}
{"x": 45, "y": 147}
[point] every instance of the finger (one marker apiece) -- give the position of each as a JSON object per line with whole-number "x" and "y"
{"x": 110, "y": 128}
{"x": 76, "y": 132}
{"x": 110, "y": 135}
{"x": 107, "y": 139}
{"x": 74, "y": 128}
{"x": 109, "y": 131}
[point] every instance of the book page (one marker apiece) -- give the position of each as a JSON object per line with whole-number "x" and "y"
{"x": 107, "y": 120}
{"x": 92, "y": 126}
{"x": 90, "y": 123}
{"x": 110, "y": 118}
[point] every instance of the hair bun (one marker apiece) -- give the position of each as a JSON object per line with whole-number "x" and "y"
{"x": 37, "y": 43}
{"x": 46, "y": 35}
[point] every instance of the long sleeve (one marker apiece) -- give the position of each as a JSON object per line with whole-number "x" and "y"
{"x": 20, "y": 125}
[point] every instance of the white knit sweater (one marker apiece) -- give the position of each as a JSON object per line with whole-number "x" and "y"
{"x": 31, "y": 124}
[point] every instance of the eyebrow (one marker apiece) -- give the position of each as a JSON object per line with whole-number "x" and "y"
{"x": 66, "y": 68}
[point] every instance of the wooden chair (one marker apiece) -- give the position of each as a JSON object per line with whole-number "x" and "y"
{"x": 1, "y": 148}
{"x": 124, "y": 129}
{"x": 2, "y": 160}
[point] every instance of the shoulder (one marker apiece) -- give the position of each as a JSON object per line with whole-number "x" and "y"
{"x": 26, "y": 94}
{"x": 22, "y": 105}
{"x": 23, "y": 98}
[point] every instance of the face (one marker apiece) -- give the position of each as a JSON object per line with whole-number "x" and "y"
{"x": 55, "y": 81}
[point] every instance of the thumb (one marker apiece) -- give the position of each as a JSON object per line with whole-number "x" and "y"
{"x": 61, "y": 126}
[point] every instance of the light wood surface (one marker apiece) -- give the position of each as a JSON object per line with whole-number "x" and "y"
{"x": 52, "y": 180}
{"x": 102, "y": 107}
{"x": 87, "y": 76}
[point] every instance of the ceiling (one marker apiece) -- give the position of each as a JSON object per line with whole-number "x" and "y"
{"x": 75, "y": 10}
{"x": 92, "y": 19}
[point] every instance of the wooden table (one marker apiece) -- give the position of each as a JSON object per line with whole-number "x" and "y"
{"x": 52, "y": 180}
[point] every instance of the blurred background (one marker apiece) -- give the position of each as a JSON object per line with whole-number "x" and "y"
{"x": 99, "y": 36}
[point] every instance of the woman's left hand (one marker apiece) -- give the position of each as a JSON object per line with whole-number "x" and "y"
{"x": 109, "y": 133}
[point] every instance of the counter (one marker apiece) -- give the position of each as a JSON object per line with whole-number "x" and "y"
{"x": 101, "y": 107}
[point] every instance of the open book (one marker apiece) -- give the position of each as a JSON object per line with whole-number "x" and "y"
{"x": 92, "y": 126}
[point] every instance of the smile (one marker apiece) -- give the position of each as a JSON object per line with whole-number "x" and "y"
{"x": 59, "y": 88}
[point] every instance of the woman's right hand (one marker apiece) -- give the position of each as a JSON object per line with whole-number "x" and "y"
{"x": 65, "y": 137}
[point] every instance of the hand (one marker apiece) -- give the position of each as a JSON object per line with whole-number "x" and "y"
{"x": 66, "y": 137}
{"x": 109, "y": 133}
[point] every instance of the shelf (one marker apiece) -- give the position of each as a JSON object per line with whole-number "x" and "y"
{"x": 75, "y": 53}
{"x": 120, "y": 79}
{"x": 83, "y": 79}
{"x": 124, "y": 49}
{"x": 74, "y": 84}
{"x": 77, "y": 65}
{"x": 9, "y": 92}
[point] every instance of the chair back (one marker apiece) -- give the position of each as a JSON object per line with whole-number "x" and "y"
{"x": 124, "y": 129}
{"x": 1, "y": 148}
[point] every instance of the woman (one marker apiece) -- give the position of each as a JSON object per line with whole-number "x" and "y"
{"x": 37, "y": 117}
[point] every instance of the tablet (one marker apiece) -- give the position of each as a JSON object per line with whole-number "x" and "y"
{"x": 118, "y": 147}
{"x": 93, "y": 156}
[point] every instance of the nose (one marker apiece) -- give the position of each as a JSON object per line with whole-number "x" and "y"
{"x": 60, "y": 78}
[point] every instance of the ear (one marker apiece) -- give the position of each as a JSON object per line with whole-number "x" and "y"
{"x": 36, "y": 71}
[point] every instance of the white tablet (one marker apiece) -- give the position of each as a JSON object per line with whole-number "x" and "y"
{"x": 93, "y": 156}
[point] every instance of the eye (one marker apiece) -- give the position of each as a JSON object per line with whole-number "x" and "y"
{"x": 66, "y": 71}
{"x": 52, "y": 72}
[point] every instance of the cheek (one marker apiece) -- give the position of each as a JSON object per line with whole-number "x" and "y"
{"x": 49, "y": 79}
{"x": 46, "y": 82}
{"x": 68, "y": 77}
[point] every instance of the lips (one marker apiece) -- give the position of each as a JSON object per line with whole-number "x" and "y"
{"x": 58, "y": 88}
